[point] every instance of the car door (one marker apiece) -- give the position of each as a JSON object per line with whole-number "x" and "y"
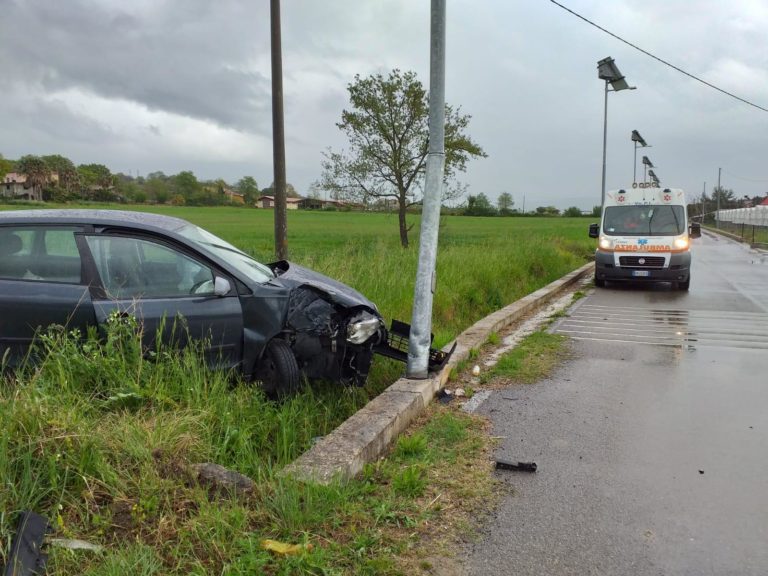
{"x": 41, "y": 284}
{"x": 169, "y": 290}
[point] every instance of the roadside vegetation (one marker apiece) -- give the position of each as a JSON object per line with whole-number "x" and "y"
{"x": 100, "y": 438}
{"x": 536, "y": 357}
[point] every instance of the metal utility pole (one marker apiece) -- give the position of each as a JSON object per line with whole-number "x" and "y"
{"x": 608, "y": 71}
{"x": 421, "y": 322}
{"x": 605, "y": 143}
{"x": 278, "y": 135}
{"x": 719, "y": 193}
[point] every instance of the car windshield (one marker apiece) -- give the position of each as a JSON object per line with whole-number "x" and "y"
{"x": 251, "y": 268}
{"x": 649, "y": 220}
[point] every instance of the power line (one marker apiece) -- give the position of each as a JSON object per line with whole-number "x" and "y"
{"x": 761, "y": 181}
{"x": 659, "y": 59}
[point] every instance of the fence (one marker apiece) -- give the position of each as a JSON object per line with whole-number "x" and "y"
{"x": 751, "y": 224}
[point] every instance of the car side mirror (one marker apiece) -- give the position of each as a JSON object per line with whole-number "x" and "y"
{"x": 594, "y": 230}
{"x": 695, "y": 230}
{"x": 221, "y": 286}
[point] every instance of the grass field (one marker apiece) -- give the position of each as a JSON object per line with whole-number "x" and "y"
{"x": 98, "y": 438}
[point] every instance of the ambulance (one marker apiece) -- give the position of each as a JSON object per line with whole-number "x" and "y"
{"x": 644, "y": 235}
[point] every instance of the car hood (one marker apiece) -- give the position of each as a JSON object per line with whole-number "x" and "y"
{"x": 292, "y": 275}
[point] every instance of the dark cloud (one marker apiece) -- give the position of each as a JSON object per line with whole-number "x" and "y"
{"x": 190, "y": 58}
{"x": 184, "y": 84}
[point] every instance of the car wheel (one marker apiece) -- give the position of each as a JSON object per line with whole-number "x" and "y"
{"x": 600, "y": 282}
{"x": 684, "y": 285}
{"x": 278, "y": 371}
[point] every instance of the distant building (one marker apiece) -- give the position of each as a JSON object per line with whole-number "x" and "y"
{"x": 15, "y": 186}
{"x": 269, "y": 202}
{"x": 234, "y": 196}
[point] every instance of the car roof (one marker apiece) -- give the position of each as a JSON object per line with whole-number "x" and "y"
{"x": 140, "y": 220}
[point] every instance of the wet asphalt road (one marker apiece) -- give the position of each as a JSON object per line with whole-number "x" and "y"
{"x": 652, "y": 442}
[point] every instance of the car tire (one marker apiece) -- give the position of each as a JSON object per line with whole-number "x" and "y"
{"x": 277, "y": 371}
{"x": 600, "y": 282}
{"x": 684, "y": 286}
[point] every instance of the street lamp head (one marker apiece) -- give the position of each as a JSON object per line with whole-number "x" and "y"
{"x": 607, "y": 70}
{"x": 647, "y": 162}
{"x": 639, "y": 139}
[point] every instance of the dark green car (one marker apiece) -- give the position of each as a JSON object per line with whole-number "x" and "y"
{"x": 273, "y": 322}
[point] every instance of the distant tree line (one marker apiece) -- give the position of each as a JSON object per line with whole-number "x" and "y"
{"x": 59, "y": 180}
{"x": 705, "y": 205}
{"x": 480, "y": 205}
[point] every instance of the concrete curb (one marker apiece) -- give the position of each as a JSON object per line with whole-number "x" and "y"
{"x": 740, "y": 239}
{"x": 365, "y": 435}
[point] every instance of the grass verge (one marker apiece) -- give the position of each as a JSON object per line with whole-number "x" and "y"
{"x": 536, "y": 357}
{"x": 100, "y": 438}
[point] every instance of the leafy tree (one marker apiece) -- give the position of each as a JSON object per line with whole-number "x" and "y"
{"x": 95, "y": 175}
{"x": 387, "y": 131}
{"x": 597, "y": 211}
{"x": 547, "y": 211}
{"x": 158, "y": 189}
{"x": 6, "y": 166}
{"x": 68, "y": 176}
{"x": 248, "y": 188}
{"x": 479, "y": 206}
{"x": 505, "y": 203}
{"x": 726, "y": 196}
{"x": 290, "y": 191}
{"x": 36, "y": 170}
{"x": 186, "y": 185}
{"x": 572, "y": 212}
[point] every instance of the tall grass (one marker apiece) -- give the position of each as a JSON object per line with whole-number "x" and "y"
{"x": 98, "y": 435}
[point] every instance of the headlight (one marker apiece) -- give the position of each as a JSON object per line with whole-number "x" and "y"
{"x": 605, "y": 243}
{"x": 681, "y": 243}
{"x": 362, "y": 327}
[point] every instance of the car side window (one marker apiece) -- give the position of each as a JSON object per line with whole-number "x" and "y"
{"x": 40, "y": 254}
{"x": 139, "y": 268}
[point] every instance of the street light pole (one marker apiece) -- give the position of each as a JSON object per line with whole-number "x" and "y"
{"x": 605, "y": 143}
{"x": 421, "y": 324}
{"x": 719, "y": 193}
{"x": 607, "y": 70}
{"x": 637, "y": 139}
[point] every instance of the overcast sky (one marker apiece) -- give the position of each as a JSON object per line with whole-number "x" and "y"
{"x": 177, "y": 85}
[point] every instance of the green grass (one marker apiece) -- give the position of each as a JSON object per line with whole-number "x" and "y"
{"x": 98, "y": 437}
{"x": 536, "y": 357}
{"x": 116, "y": 473}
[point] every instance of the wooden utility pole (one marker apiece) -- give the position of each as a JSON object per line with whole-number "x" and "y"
{"x": 278, "y": 135}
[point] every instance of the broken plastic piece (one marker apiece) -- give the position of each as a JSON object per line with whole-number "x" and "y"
{"x": 396, "y": 347}
{"x": 27, "y": 557}
{"x": 72, "y": 544}
{"x": 284, "y": 549}
{"x": 519, "y": 466}
{"x": 444, "y": 396}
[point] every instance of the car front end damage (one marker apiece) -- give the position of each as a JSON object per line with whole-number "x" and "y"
{"x": 334, "y": 331}
{"x": 332, "y": 342}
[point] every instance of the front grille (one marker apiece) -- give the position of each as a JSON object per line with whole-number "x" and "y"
{"x": 642, "y": 261}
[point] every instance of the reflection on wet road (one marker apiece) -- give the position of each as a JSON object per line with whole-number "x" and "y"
{"x": 651, "y": 442}
{"x": 667, "y": 327}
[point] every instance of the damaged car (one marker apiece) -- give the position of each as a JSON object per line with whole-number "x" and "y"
{"x": 276, "y": 323}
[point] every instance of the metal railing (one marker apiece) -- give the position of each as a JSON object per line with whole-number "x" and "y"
{"x": 750, "y": 224}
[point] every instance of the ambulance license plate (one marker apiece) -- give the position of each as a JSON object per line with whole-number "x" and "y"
{"x": 640, "y": 273}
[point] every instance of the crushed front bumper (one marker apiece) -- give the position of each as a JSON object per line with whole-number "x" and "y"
{"x": 396, "y": 347}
